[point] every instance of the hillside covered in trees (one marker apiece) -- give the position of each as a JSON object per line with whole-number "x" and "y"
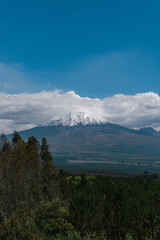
{"x": 39, "y": 202}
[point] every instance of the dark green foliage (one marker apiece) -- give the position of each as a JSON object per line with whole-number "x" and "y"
{"x": 48, "y": 173}
{"x": 46, "y": 157}
{"x": 38, "y": 202}
{"x": 52, "y": 218}
{"x": 19, "y": 228}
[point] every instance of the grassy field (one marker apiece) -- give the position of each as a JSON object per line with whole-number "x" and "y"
{"x": 110, "y": 165}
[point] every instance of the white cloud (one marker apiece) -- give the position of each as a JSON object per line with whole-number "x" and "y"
{"x": 23, "y": 111}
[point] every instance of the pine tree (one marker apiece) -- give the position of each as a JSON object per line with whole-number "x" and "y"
{"x": 33, "y": 173}
{"x": 49, "y": 175}
{"x": 46, "y": 157}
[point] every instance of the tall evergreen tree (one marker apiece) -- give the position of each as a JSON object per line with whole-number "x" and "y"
{"x": 46, "y": 157}
{"x": 33, "y": 172}
{"x": 49, "y": 174}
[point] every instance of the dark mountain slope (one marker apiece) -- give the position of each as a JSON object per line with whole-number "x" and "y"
{"x": 105, "y": 143}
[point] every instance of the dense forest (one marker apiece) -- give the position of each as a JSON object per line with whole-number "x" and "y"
{"x": 39, "y": 202}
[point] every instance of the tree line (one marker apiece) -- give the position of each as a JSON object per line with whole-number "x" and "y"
{"x": 39, "y": 202}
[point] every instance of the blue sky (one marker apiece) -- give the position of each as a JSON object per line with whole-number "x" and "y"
{"x": 95, "y": 48}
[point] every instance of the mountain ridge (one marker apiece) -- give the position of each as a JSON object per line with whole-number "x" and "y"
{"x": 98, "y": 144}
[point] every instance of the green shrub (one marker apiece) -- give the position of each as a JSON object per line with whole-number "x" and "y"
{"x": 53, "y": 218}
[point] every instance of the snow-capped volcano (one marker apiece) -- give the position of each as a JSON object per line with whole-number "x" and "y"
{"x": 73, "y": 119}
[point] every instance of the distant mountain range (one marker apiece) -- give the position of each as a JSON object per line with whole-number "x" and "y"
{"x": 79, "y": 142}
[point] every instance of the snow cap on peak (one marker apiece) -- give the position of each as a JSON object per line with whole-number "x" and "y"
{"x": 73, "y": 119}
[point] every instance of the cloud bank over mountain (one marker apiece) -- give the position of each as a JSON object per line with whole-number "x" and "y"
{"x": 23, "y": 111}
